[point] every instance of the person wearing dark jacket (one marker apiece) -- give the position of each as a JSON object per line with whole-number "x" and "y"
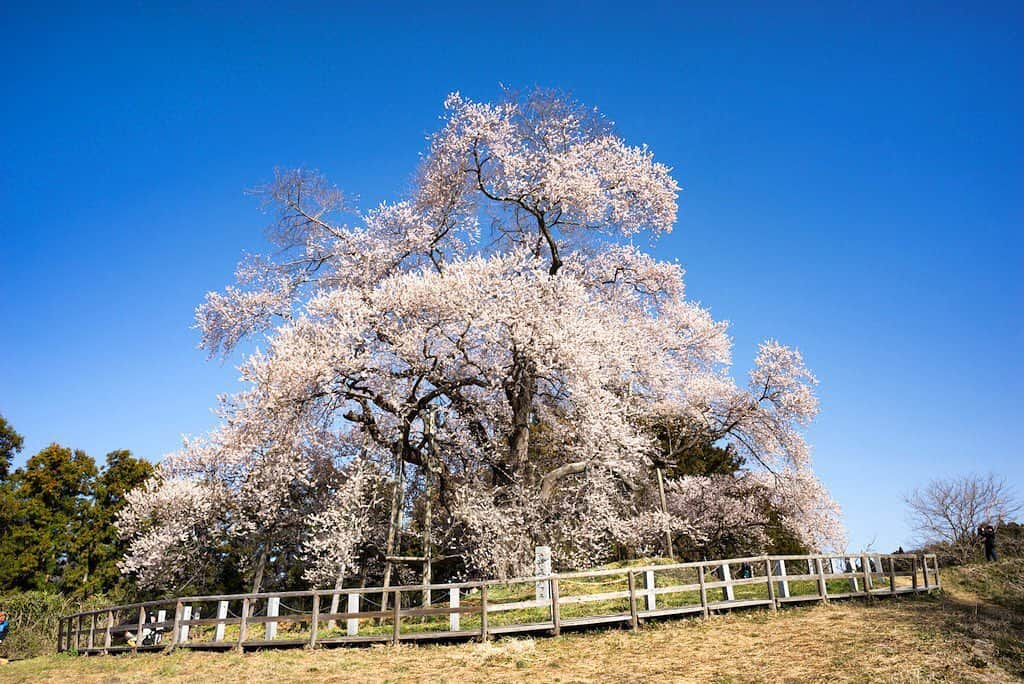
{"x": 988, "y": 536}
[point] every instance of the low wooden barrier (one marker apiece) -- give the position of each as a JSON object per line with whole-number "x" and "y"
{"x": 482, "y": 609}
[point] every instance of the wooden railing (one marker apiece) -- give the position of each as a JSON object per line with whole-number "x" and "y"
{"x": 486, "y": 608}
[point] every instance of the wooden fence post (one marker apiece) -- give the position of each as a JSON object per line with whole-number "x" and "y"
{"x": 92, "y": 631}
{"x": 728, "y": 594}
{"x": 822, "y": 584}
{"x": 924, "y": 565}
{"x": 176, "y": 629}
{"x": 783, "y": 585}
{"x": 396, "y": 612}
{"x": 60, "y": 635}
{"x": 186, "y": 615}
{"x": 771, "y": 583}
{"x": 892, "y": 574}
{"x": 703, "y": 591}
{"x": 651, "y": 596}
{"x": 483, "y": 612}
{"x": 633, "y": 618}
{"x": 851, "y": 567}
{"x": 556, "y": 615}
{"x": 865, "y": 563}
{"x": 273, "y": 609}
{"x": 222, "y": 616}
{"x": 138, "y": 631}
{"x": 106, "y": 635}
{"x": 454, "y": 622}
{"x": 352, "y": 606}
{"x": 314, "y": 621}
{"x": 913, "y": 568}
{"x": 243, "y": 624}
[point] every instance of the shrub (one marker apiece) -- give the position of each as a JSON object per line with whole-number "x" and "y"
{"x": 34, "y": 616}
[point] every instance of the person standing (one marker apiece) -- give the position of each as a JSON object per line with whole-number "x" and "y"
{"x": 4, "y": 626}
{"x": 988, "y": 536}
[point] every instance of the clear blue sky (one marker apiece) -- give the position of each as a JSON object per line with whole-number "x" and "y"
{"x": 853, "y": 174}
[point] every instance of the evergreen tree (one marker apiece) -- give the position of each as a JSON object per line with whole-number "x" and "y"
{"x": 10, "y": 444}
{"x": 46, "y": 511}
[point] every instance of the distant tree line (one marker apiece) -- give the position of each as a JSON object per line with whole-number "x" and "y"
{"x": 57, "y": 516}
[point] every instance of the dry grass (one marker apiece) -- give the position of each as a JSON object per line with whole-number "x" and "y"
{"x": 912, "y": 639}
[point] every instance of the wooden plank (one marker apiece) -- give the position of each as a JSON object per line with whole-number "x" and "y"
{"x": 780, "y": 570}
{"x": 314, "y": 621}
{"x": 676, "y": 589}
{"x": 222, "y": 615}
{"x": 634, "y": 620}
{"x": 396, "y": 626}
{"x": 703, "y": 591}
{"x": 665, "y": 612}
{"x": 727, "y": 586}
{"x": 176, "y": 629}
{"x": 186, "y": 617}
{"x": 771, "y": 584}
{"x": 520, "y": 628}
{"x": 518, "y": 605}
{"x": 454, "y": 618}
{"x": 651, "y": 597}
{"x": 243, "y": 625}
{"x": 798, "y": 598}
{"x": 367, "y": 615}
{"x": 106, "y": 632}
{"x": 822, "y": 585}
{"x": 589, "y": 598}
{"x": 595, "y": 620}
{"x": 741, "y": 603}
{"x": 352, "y": 623}
{"x": 483, "y": 613}
{"x": 138, "y": 631}
{"x": 363, "y": 639}
{"x": 439, "y": 635}
{"x": 257, "y": 643}
{"x": 273, "y": 608}
{"x": 556, "y": 615}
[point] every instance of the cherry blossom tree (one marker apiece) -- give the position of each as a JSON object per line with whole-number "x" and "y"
{"x": 500, "y": 302}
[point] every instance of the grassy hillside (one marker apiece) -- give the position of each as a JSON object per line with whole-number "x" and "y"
{"x": 1001, "y": 583}
{"x": 972, "y": 632}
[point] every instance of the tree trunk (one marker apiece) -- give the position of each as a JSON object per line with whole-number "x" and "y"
{"x": 394, "y": 528}
{"x": 335, "y": 598}
{"x": 519, "y": 392}
{"x": 664, "y": 510}
{"x": 257, "y": 577}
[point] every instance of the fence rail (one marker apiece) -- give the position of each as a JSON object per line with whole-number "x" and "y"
{"x": 467, "y": 610}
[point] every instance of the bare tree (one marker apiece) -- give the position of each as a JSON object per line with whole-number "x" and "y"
{"x": 949, "y": 512}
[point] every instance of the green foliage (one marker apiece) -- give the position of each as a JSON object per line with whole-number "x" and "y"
{"x": 684, "y": 453}
{"x": 56, "y": 521}
{"x": 34, "y": 615}
{"x": 10, "y": 444}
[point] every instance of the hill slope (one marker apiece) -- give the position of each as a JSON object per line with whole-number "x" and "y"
{"x": 958, "y": 636}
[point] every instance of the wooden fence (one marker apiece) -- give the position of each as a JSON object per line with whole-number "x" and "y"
{"x": 466, "y": 610}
